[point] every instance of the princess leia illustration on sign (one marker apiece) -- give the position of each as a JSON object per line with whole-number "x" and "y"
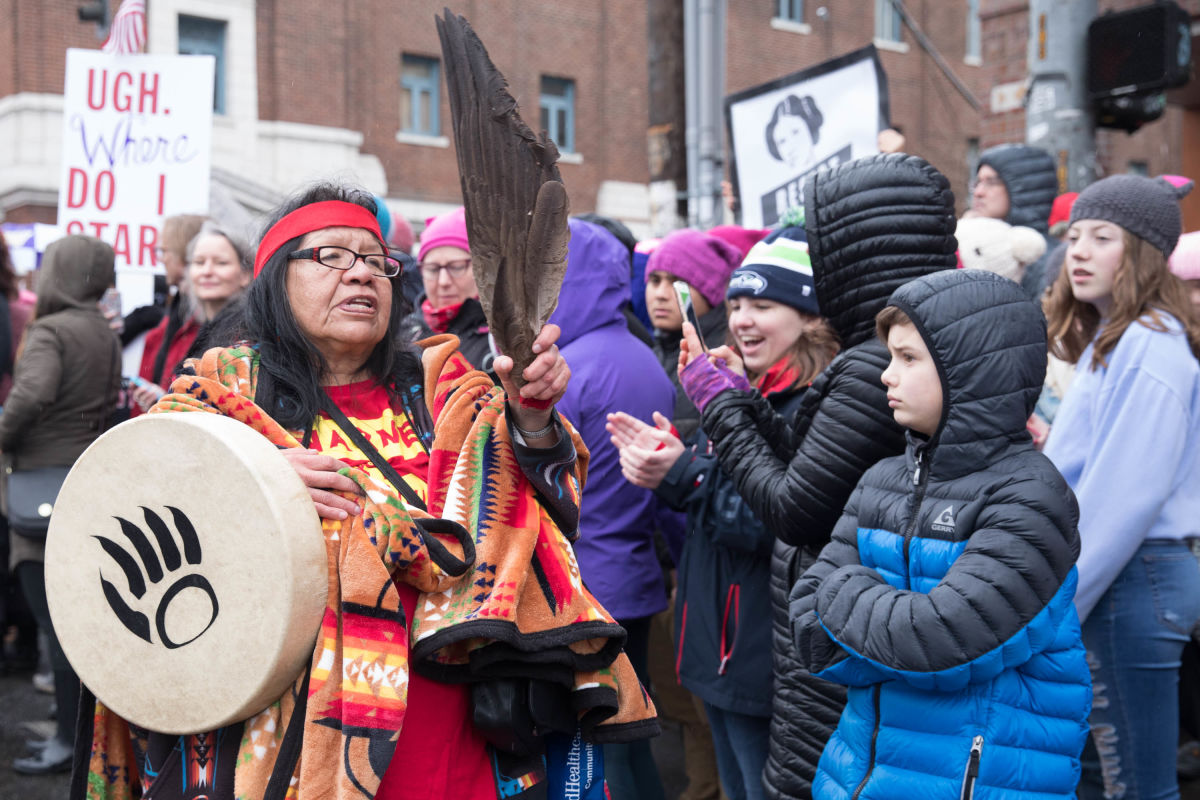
{"x": 794, "y": 130}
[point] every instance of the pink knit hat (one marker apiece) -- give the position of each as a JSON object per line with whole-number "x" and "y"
{"x": 1185, "y": 260}
{"x": 741, "y": 238}
{"x": 704, "y": 261}
{"x": 447, "y": 229}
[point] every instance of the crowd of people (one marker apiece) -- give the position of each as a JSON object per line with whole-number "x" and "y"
{"x": 907, "y": 504}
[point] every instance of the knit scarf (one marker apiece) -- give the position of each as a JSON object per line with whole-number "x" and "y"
{"x": 439, "y": 319}
{"x": 501, "y": 594}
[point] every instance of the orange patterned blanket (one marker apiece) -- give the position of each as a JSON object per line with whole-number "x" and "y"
{"x": 501, "y": 594}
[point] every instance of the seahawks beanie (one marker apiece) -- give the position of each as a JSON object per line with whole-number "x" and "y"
{"x": 778, "y": 268}
{"x": 1146, "y": 207}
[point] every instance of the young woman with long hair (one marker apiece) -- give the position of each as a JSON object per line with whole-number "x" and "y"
{"x": 1127, "y": 440}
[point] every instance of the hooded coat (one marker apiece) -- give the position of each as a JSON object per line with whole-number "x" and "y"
{"x": 67, "y": 379}
{"x": 945, "y": 598}
{"x": 872, "y": 225}
{"x": 611, "y": 370}
{"x": 1031, "y": 180}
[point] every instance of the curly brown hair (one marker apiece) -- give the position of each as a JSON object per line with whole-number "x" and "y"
{"x": 1143, "y": 289}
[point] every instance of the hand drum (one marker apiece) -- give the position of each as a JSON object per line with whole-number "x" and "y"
{"x": 185, "y": 571}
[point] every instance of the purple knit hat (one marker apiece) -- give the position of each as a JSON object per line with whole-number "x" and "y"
{"x": 704, "y": 261}
{"x": 447, "y": 229}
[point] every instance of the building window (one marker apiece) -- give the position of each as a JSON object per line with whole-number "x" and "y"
{"x": 973, "y": 31}
{"x": 206, "y": 37}
{"x": 558, "y": 111}
{"x": 887, "y": 21}
{"x": 419, "y": 96}
{"x": 791, "y": 10}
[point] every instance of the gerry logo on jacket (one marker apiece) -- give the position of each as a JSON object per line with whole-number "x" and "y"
{"x": 944, "y": 523}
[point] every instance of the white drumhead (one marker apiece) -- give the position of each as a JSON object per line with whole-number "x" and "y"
{"x": 185, "y": 571}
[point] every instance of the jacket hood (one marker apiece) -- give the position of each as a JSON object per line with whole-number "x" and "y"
{"x": 596, "y": 285}
{"x": 1031, "y": 180}
{"x": 988, "y": 340}
{"x": 874, "y": 224}
{"x": 75, "y": 272}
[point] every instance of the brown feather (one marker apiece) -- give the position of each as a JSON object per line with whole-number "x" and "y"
{"x": 515, "y": 201}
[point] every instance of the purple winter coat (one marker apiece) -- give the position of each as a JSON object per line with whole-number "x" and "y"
{"x": 611, "y": 370}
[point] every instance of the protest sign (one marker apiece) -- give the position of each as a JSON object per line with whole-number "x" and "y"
{"x": 137, "y": 147}
{"x": 781, "y": 132}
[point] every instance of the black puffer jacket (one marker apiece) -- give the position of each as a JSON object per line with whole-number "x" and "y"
{"x": 872, "y": 225}
{"x": 1031, "y": 180}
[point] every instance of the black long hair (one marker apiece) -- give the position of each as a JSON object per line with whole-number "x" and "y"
{"x": 290, "y": 369}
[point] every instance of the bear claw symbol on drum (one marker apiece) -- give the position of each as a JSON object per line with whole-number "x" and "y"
{"x": 151, "y": 568}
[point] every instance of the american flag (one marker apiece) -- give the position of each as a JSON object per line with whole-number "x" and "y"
{"x": 128, "y": 32}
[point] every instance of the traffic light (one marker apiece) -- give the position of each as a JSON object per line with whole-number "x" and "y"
{"x": 1132, "y": 56}
{"x": 96, "y": 11}
{"x": 1141, "y": 50}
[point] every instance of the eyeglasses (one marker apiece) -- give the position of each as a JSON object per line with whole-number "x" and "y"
{"x": 334, "y": 257}
{"x": 456, "y": 268}
{"x": 987, "y": 183}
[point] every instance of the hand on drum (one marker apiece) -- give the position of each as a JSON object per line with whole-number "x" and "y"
{"x": 546, "y": 382}
{"x": 647, "y": 452}
{"x": 320, "y": 474}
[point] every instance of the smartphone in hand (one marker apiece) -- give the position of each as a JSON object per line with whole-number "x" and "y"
{"x": 683, "y": 293}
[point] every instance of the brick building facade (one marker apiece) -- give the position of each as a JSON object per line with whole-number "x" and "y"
{"x": 318, "y": 89}
{"x": 939, "y": 123}
{"x": 1169, "y": 145}
{"x": 314, "y": 89}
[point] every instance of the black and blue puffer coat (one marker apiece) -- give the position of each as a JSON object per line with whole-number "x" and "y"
{"x": 872, "y": 225}
{"x": 945, "y": 598}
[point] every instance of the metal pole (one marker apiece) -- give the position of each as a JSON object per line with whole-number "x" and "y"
{"x": 691, "y": 80}
{"x": 704, "y": 45}
{"x": 1058, "y": 113}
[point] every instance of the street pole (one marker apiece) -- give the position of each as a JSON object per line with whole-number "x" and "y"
{"x": 704, "y": 66}
{"x": 1058, "y": 112}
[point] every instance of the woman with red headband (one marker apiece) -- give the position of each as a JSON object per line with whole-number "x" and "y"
{"x": 355, "y": 409}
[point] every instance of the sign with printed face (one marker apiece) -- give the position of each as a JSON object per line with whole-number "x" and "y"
{"x": 783, "y": 131}
{"x": 137, "y": 147}
{"x": 185, "y": 571}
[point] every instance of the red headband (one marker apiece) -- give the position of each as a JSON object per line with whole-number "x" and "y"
{"x": 314, "y": 217}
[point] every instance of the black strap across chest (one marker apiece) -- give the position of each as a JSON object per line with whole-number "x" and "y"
{"x": 362, "y": 443}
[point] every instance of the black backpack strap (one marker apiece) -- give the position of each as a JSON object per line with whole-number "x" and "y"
{"x": 361, "y": 442}
{"x": 289, "y": 748}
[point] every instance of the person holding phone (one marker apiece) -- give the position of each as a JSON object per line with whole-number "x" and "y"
{"x": 780, "y": 342}
{"x": 704, "y": 262}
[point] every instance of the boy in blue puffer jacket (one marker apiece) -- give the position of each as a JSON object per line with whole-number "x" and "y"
{"x": 944, "y": 600}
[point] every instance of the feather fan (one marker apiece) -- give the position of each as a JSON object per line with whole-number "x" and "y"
{"x": 515, "y": 201}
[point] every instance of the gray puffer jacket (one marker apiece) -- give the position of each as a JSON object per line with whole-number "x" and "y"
{"x": 1031, "y": 180}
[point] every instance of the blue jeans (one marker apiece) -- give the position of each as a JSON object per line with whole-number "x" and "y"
{"x": 1134, "y": 639}
{"x": 740, "y": 741}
